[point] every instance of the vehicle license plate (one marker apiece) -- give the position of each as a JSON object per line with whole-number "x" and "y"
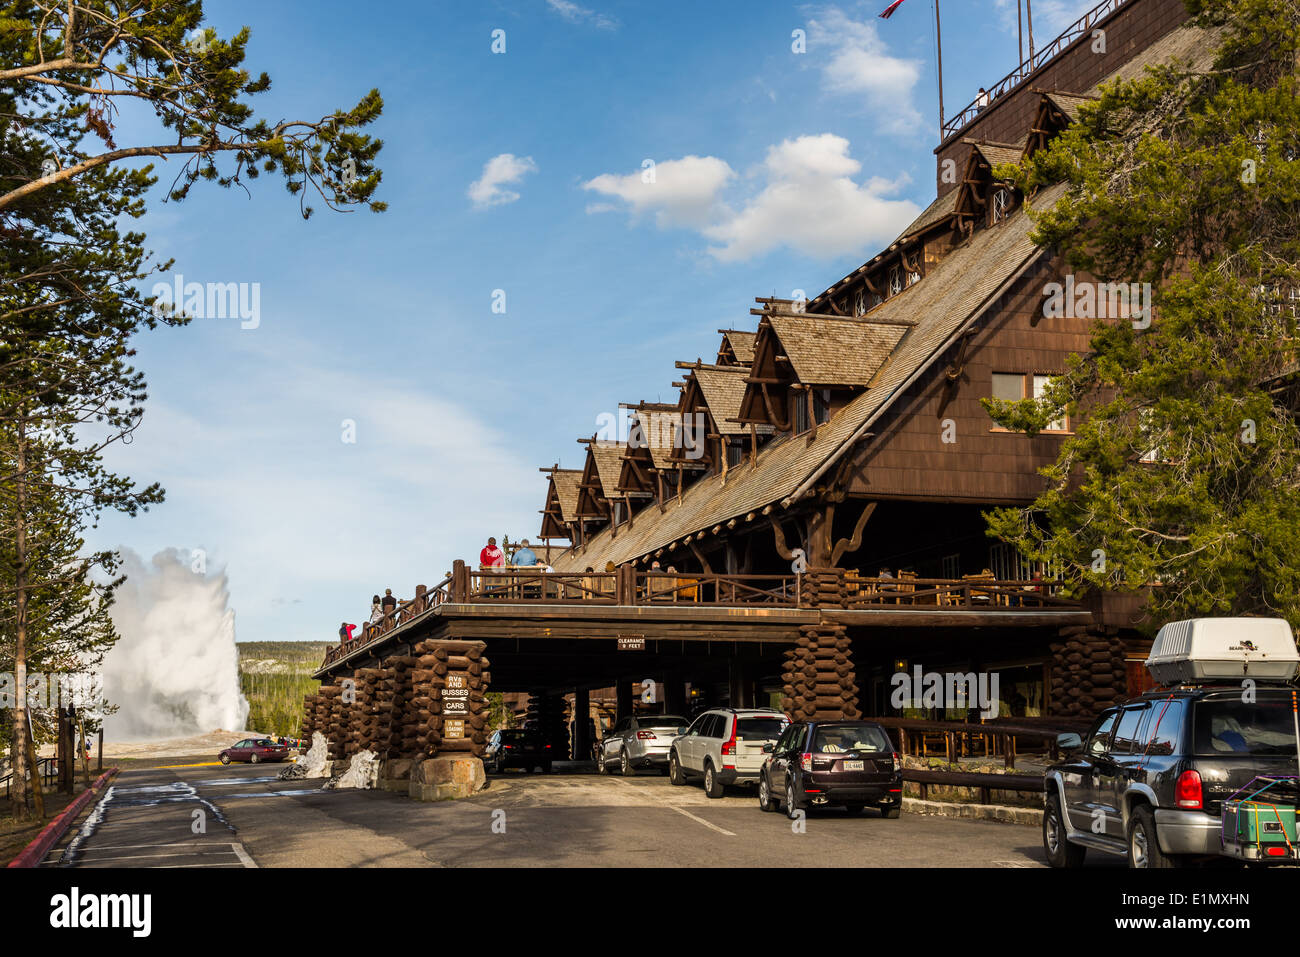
{"x": 852, "y": 765}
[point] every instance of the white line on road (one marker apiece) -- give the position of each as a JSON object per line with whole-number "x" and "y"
{"x": 710, "y": 826}
{"x": 243, "y": 855}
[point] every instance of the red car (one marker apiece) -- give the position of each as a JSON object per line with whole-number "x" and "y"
{"x": 254, "y": 750}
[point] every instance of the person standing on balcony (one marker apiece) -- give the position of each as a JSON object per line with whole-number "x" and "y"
{"x": 376, "y": 610}
{"x": 389, "y": 604}
{"x": 525, "y": 557}
{"x": 345, "y": 632}
{"x": 982, "y": 100}
{"x": 491, "y": 557}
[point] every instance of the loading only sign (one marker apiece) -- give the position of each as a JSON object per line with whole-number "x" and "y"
{"x": 455, "y": 697}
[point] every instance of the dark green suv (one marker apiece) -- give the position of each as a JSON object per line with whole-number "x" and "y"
{"x": 1150, "y": 778}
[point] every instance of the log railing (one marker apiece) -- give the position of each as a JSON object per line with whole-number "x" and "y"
{"x": 629, "y": 586}
{"x": 968, "y": 594}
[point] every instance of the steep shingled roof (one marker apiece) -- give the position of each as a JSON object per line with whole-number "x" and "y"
{"x": 566, "y": 488}
{"x": 742, "y": 344}
{"x": 835, "y": 351}
{"x": 723, "y": 388}
{"x": 955, "y": 292}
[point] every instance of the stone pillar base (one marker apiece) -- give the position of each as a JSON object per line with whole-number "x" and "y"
{"x": 395, "y": 775}
{"x": 446, "y": 778}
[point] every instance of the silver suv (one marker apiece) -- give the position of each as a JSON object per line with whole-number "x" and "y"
{"x": 725, "y": 746}
{"x": 639, "y": 741}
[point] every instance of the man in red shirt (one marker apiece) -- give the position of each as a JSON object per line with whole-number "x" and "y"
{"x": 491, "y": 556}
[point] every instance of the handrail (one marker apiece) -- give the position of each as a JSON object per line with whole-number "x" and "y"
{"x": 1040, "y": 57}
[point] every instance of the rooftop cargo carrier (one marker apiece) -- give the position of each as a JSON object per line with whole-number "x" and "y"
{"x": 1210, "y": 649}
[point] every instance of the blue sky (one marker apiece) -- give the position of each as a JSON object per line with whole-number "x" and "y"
{"x": 520, "y": 172}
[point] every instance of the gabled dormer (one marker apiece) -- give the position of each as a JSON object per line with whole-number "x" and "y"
{"x": 807, "y": 367}
{"x": 648, "y": 473}
{"x": 983, "y": 200}
{"x": 599, "y": 501}
{"x": 1056, "y": 110}
{"x": 559, "y": 514}
{"x": 737, "y": 348}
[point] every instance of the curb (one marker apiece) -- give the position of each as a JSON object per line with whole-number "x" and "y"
{"x": 35, "y": 852}
{"x": 1001, "y": 813}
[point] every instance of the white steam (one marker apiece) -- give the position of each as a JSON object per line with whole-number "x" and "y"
{"x": 175, "y": 669}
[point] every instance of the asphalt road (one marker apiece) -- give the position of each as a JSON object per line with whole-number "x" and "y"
{"x": 241, "y": 816}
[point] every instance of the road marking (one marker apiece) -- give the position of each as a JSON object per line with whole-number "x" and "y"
{"x": 709, "y": 825}
{"x": 205, "y": 764}
{"x": 243, "y": 855}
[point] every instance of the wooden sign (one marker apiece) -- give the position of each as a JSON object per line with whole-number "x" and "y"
{"x": 453, "y": 729}
{"x": 631, "y": 643}
{"x": 455, "y": 697}
{"x": 457, "y": 681}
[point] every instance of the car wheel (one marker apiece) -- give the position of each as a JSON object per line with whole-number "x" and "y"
{"x": 675, "y": 775}
{"x": 791, "y": 805}
{"x": 253, "y": 759}
{"x": 225, "y": 759}
{"x": 853, "y": 810}
{"x": 1060, "y": 852}
{"x": 1143, "y": 846}
{"x": 601, "y": 766}
{"x": 712, "y": 785}
{"x": 890, "y": 812}
{"x": 765, "y": 800}
{"x": 625, "y": 765}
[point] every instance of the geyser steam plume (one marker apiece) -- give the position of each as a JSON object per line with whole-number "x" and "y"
{"x": 174, "y": 671}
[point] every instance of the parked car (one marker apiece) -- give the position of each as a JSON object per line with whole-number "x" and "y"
{"x": 1150, "y": 779}
{"x": 725, "y": 746}
{"x": 639, "y": 741}
{"x": 846, "y": 763}
{"x": 254, "y": 751}
{"x": 517, "y": 748}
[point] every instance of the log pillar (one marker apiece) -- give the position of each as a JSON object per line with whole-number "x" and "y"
{"x": 819, "y": 681}
{"x": 1086, "y": 672}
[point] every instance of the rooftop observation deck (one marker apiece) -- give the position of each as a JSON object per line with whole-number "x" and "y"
{"x": 738, "y": 607}
{"x": 1036, "y": 61}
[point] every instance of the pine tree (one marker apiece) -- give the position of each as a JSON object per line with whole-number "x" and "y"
{"x": 1183, "y": 471}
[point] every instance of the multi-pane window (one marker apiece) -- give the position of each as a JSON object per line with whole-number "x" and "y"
{"x": 802, "y": 421}
{"x": 821, "y": 406}
{"x": 1014, "y": 386}
{"x": 896, "y": 280}
{"x": 1001, "y": 204}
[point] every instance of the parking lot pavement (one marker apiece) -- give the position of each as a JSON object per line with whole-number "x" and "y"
{"x": 245, "y": 817}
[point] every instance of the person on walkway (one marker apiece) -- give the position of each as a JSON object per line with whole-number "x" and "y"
{"x": 389, "y": 603}
{"x": 525, "y": 557}
{"x": 491, "y": 557}
{"x": 982, "y": 100}
{"x": 345, "y": 631}
{"x": 376, "y": 610}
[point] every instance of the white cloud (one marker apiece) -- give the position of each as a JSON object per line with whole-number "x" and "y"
{"x": 682, "y": 192}
{"x": 809, "y": 202}
{"x": 857, "y": 62}
{"x": 1051, "y": 17}
{"x": 576, "y": 14}
{"x": 498, "y": 173}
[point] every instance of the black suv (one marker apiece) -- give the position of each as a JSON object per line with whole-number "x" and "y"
{"x": 1150, "y": 778}
{"x": 849, "y": 763}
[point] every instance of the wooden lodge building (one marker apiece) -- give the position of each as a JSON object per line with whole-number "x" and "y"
{"x": 807, "y": 519}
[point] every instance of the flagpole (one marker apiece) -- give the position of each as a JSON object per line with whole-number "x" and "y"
{"x": 1020, "y": 28}
{"x": 938, "y": 46}
{"x": 1029, "y": 18}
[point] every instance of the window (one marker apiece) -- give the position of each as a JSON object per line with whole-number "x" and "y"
{"x": 860, "y": 303}
{"x": 1014, "y": 386}
{"x": 896, "y": 280}
{"x": 1231, "y": 726}
{"x": 802, "y": 422}
{"x": 1040, "y": 386}
{"x": 735, "y": 453}
{"x": 759, "y": 729}
{"x": 822, "y": 406}
{"x": 1100, "y": 735}
{"x": 1126, "y": 732}
{"x": 951, "y": 566}
{"x": 1008, "y": 386}
{"x": 1000, "y": 204}
{"x": 1163, "y": 730}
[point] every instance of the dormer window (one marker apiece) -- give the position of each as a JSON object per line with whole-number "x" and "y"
{"x": 1001, "y": 204}
{"x": 860, "y": 304}
{"x": 875, "y": 300}
{"x": 896, "y": 280}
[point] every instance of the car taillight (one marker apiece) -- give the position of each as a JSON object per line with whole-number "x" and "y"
{"x": 507, "y": 746}
{"x": 729, "y": 747}
{"x": 647, "y": 735}
{"x": 1187, "y": 792}
{"x": 805, "y": 761}
{"x": 898, "y": 762}
{"x": 548, "y": 747}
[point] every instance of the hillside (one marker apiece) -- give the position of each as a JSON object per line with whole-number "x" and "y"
{"x": 274, "y": 676}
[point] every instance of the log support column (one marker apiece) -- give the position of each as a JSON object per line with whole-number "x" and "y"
{"x": 818, "y": 679}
